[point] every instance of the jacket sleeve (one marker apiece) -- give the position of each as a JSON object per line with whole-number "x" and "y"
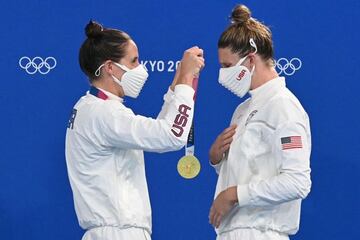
{"x": 293, "y": 179}
{"x": 217, "y": 166}
{"x": 168, "y": 97}
{"x": 122, "y": 129}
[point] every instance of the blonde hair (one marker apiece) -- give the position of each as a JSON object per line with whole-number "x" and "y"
{"x": 243, "y": 27}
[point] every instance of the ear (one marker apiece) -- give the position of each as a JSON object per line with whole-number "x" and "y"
{"x": 108, "y": 67}
{"x": 252, "y": 57}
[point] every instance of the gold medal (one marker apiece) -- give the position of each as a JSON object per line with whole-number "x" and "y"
{"x": 188, "y": 166}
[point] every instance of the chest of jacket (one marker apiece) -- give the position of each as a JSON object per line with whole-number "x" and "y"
{"x": 251, "y": 155}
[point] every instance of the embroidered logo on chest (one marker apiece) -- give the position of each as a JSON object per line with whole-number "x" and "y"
{"x": 251, "y": 115}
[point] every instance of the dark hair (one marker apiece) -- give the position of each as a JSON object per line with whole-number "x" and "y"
{"x": 242, "y": 28}
{"x": 101, "y": 44}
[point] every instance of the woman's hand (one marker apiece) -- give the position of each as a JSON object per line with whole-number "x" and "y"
{"x": 190, "y": 66}
{"x": 221, "y": 145}
{"x": 221, "y": 206}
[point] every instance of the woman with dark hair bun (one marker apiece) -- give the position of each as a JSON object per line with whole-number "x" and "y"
{"x": 105, "y": 140}
{"x": 263, "y": 158}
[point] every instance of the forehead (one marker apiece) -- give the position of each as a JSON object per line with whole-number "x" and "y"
{"x": 131, "y": 49}
{"x": 227, "y": 56}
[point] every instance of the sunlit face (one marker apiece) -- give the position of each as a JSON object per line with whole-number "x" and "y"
{"x": 131, "y": 58}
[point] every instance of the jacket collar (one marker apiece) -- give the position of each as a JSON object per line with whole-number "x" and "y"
{"x": 268, "y": 89}
{"x": 104, "y": 95}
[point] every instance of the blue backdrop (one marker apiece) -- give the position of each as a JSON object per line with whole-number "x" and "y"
{"x": 35, "y": 195}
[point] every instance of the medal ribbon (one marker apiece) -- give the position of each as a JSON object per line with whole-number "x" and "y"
{"x": 190, "y": 145}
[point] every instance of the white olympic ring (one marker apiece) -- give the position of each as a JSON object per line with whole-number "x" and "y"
{"x": 37, "y": 64}
{"x": 288, "y": 67}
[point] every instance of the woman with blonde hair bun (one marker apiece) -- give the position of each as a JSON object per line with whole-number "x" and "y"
{"x": 263, "y": 158}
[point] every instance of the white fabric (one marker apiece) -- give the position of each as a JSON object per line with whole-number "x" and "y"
{"x": 133, "y": 80}
{"x": 251, "y": 234}
{"x": 237, "y": 79}
{"x": 113, "y": 233}
{"x": 104, "y": 155}
{"x": 270, "y": 181}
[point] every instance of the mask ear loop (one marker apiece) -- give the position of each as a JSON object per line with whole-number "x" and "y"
{"x": 123, "y": 67}
{"x": 241, "y": 61}
{"x": 252, "y": 43}
{"x": 97, "y": 72}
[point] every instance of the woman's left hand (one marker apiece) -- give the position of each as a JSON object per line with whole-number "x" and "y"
{"x": 222, "y": 205}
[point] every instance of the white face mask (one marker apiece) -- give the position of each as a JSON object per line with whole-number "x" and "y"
{"x": 132, "y": 81}
{"x": 237, "y": 79}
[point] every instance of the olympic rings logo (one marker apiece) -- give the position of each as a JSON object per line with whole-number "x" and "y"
{"x": 37, "y": 64}
{"x": 288, "y": 67}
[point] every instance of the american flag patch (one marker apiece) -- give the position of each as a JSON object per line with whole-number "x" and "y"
{"x": 291, "y": 142}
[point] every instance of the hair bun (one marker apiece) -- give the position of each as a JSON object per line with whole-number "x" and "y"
{"x": 240, "y": 14}
{"x": 93, "y": 29}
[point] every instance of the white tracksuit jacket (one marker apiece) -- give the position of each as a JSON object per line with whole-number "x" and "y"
{"x": 268, "y": 161}
{"x": 104, "y": 154}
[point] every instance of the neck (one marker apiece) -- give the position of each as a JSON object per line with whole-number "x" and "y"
{"x": 267, "y": 74}
{"x": 110, "y": 86}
